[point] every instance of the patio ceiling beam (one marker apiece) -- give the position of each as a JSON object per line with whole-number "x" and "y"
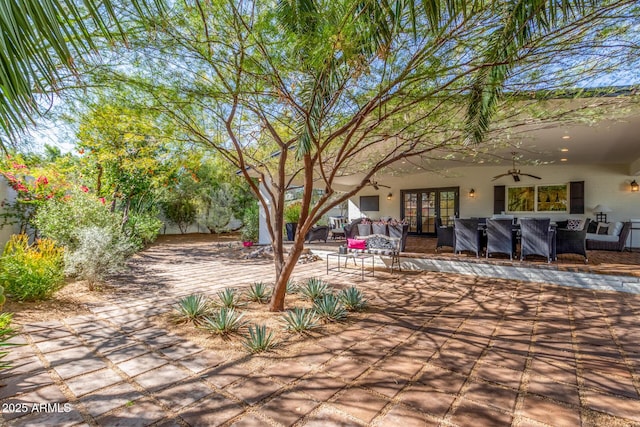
{"x": 634, "y": 167}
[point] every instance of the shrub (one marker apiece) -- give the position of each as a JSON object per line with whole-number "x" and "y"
{"x": 250, "y": 231}
{"x": 223, "y": 322}
{"x": 61, "y": 219}
{"x": 315, "y": 288}
{"x": 329, "y": 308}
{"x": 31, "y": 272}
{"x": 228, "y": 297}
{"x": 292, "y": 212}
{"x": 181, "y": 211}
{"x": 98, "y": 252}
{"x": 6, "y": 333}
{"x": 143, "y": 228}
{"x": 259, "y": 292}
{"x": 300, "y": 319}
{"x": 192, "y": 308}
{"x": 353, "y": 299}
{"x": 259, "y": 339}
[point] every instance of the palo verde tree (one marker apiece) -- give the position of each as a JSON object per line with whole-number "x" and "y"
{"x": 306, "y": 92}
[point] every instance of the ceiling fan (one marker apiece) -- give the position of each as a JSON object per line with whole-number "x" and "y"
{"x": 375, "y": 184}
{"x": 515, "y": 173}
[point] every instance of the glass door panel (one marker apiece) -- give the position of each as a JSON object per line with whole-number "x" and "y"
{"x": 448, "y": 206}
{"x": 411, "y": 211}
{"x": 428, "y": 212}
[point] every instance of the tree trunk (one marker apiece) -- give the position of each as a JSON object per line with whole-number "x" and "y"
{"x": 284, "y": 273}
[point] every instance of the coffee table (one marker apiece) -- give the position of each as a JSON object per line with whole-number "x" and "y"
{"x": 355, "y": 256}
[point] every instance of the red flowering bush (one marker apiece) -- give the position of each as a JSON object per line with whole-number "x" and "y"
{"x": 31, "y": 192}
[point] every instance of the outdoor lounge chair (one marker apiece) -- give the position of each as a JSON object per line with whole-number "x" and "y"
{"x": 467, "y": 237}
{"x": 537, "y": 238}
{"x": 500, "y": 237}
{"x": 320, "y": 232}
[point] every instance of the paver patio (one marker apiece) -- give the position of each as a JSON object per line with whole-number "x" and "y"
{"x": 435, "y": 349}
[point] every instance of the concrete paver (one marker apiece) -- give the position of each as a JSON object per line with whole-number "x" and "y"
{"x": 436, "y": 349}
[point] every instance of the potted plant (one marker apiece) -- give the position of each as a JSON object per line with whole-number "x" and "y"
{"x": 364, "y": 228}
{"x": 251, "y": 225}
{"x": 291, "y": 218}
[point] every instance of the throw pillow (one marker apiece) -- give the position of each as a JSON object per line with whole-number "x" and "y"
{"x": 356, "y": 244}
{"x": 603, "y": 228}
{"x": 575, "y": 224}
{"x": 593, "y": 227}
{"x": 380, "y": 242}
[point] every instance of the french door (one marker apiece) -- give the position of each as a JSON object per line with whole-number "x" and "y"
{"x": 421, "y": 208}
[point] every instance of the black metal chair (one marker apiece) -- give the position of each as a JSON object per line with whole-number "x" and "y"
{"x": 467, "y": 236}
{"x": 537, "y": 238}
{"x": 500, "y": 237}
{"x": 444, "y": 235}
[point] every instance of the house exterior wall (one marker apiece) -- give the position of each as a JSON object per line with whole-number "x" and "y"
{"x": 604, "y": 184}
{"x": 6, "y": 193}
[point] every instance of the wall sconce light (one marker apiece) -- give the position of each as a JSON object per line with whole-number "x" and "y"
{"x": 634, "y": 186}
{"x": 472, "y": 193}
{"x": 389, "y": 196}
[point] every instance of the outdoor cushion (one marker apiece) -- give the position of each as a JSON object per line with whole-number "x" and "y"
{"x": 615, "y": 229}
{"x": 356, "y": 244}
{"x": 379, "y": 242}
{"x": 575, "y": 224}
{"x": 602, "y": 226}
{"x": 602, "y": 237}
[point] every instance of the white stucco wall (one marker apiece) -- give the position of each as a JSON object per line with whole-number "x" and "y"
{"x": 6, "y": 194}
{"x": 604, "y": 184}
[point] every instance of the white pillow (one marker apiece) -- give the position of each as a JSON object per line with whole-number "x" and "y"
{"x": 615, "y": 229}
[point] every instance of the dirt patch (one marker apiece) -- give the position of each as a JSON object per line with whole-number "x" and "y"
{"x": 231, "y": 347}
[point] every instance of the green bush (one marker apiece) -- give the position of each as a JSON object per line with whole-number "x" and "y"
{"x": 251, "y": 221}
{"x": 31, "y": 272}
{"x": 61, "y": 219}
{"x": 292, "y": 212}
{"x": 6, "y": 333}
{"x": 143, "y": 228}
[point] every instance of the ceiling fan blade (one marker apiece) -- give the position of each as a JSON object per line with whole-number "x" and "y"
{"x": 532, "y": 176}
{"x": 375, "y": 186}
{"x": 382, "y": 185}
{"x": 500, "y": 176}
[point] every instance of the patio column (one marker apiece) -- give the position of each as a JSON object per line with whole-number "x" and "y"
{"x": 263, "y": 232}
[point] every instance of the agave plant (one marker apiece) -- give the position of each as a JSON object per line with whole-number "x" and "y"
{"x": 259, "y": 339}
{"x": 223, "y": 322}
{"x": 292, "y": 287}
{"x": 353, "y": 299}
{"x": 259, "y": 292}
{"x": 329, "y": 308}
{"x": 300, "y": 319}
{"x": 315, "y": 288}
{"x": 229, "y": 298}
{"x": 192, "y": 308}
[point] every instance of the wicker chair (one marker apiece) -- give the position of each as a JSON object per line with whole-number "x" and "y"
{"x": 537, "y": 238}
{"x": 572, "y": 241}
{"x": 320, "y": 232}
{"x": 500, "y": 237}
{"x": 467, "y": 237}
{"x": 444, "y": 235}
